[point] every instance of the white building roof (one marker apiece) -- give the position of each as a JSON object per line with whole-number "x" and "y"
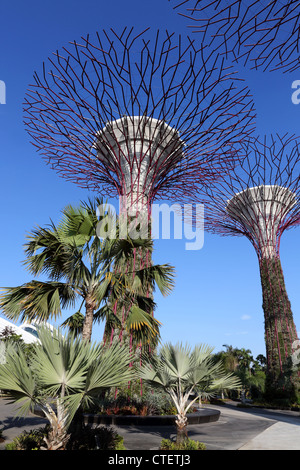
{"x": 27, "y": 331}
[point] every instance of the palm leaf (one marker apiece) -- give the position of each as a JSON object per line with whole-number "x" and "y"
{"x": 74, "y": 323}
{"x": 17, "y": 379}
{"x": 66, "y": 369}
{"x": 36, "y": 300}
{"x": 162, "y": 275}
{"x": 177, "y": 360}
{"x": 140, "y": 321}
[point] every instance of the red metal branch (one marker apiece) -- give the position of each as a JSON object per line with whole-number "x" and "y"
{"x": 266, "y": 34}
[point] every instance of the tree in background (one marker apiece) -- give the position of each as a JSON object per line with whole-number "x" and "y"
{"x": 251, "y": 372}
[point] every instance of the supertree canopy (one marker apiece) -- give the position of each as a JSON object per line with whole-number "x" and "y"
{"x": 149, "y": 112}
{"x": 260, "y": 199}
{"x": 139, "y": 116}
{"x": 264, "y": 33}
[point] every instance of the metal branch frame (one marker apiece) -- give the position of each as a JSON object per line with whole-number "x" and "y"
{"x": 136, "y": 80}
{"x": 272, "y": 163}
{"x": 264, "y": 33}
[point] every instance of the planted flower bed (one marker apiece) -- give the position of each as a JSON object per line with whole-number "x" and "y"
{"x": 151, "y": 409}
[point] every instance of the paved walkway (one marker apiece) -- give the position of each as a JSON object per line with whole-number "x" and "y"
{"x": 237, "y": 429}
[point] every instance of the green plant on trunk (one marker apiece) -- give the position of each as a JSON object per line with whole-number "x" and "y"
{"x": 282, "y": 379}
{"x": 180, "y": 371}
{"x": 129, "y": 311}
{"x": 63, "y": 374}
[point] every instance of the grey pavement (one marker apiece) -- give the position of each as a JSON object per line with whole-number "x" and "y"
{"x": 236, "y": 429}
{"x": 13, "y": 426}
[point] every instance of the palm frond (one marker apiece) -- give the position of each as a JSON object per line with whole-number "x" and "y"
{"x": 74, "y": 323}
{"x": 142, "y": 324}
{"x": 45, "y": 253}
{"x": 17, "y": 379}
{"x": 181, "y": 370}
{"x": 36, "y": 300}
{"x": 161, "y": 274}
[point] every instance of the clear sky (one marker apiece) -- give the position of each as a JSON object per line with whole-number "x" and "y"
{"x": 217, "y": 297}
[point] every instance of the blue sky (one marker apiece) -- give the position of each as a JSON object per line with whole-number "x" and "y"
{"x": 217, "y": 297}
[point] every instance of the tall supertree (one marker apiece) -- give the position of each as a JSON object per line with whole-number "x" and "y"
{"x": 260, "y": 199}
{"x": 264, "y": 33}
{"x": 138, "y": 116}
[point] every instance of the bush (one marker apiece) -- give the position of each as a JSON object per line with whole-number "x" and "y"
{"x": 28, "y": 440}
{"x": 150, "y": 404}
{"x": 100, "y": 438}
{"x": 189, "y": 444}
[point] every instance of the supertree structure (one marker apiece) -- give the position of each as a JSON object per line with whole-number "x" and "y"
{"x": 264, "y": 33}
{"x": 260, "y": 199}
{"x": 138, "y": 116}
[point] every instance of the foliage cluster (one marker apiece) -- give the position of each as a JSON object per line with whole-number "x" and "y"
{"x": 65, "y": 375}
{"x": 29, "y": 440}
{"x": 250, "y": 371}
{"x": 188, "y": 444}
{"x": 149, "y": 404}
{"x": 101, "y": 438}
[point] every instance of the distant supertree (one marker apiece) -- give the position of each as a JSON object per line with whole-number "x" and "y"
{"x": 260, "y": 199}
{"x": 264, "y": 33}
{"x": 138, "y": 116}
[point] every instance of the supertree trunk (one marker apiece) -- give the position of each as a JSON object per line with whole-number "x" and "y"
{"x": 133, "y": 261}
{"x": 139, "y": 258}
{"x": 282, "y": 380}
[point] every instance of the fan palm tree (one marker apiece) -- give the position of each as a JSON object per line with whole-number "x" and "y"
{"x": 64, "y": 373}
{"x": 79, "y": 265}
{"x": 181, "y": 371}
{"x": 70, "y": 256}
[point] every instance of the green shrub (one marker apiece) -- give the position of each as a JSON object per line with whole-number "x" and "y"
{"x": 149, "y": 404}
{"x": 100, "y": 438}
{"x": 28, "y": 440}
{"x": 189, "y": 444}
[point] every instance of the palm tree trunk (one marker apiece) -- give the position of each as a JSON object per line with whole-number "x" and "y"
{"x": 181, "y": 428}
{"x": 88, "y": 320}
{"x": 58, "y": 436}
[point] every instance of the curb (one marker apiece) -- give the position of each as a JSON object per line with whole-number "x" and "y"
{"x": 199, "y": 417}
